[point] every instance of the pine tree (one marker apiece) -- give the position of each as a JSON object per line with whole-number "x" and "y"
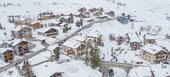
{"x": 86, "y": 56}
{"x": 57, "y": 54}
{"x": 95, "y": 58}
{"x": 26, "y": 68}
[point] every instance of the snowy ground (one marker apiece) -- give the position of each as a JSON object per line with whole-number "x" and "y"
{"x": 146, "y": 12}
{"x": 70, "y": 69}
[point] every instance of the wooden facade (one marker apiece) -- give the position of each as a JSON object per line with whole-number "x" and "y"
{"x": 49, "y": 33}
{"x": 46, "y": 15}
{"x": 120, "y": 40}
{"x": 25, "y": 32}
{"x": 135, "y": 45}
{"x": 21, "y": 48}
{"x": 7, "y": 55}
{"x": 154, "y": 58}
{"x": 36, "y": 25}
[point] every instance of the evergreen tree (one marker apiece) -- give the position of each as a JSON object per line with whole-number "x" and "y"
{"x": 57, "y": 54}
{"x": 86, "y": 56}
{"x": 95, "y": 58}
{"x": 26, "y": 69}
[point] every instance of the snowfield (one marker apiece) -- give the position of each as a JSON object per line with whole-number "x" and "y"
{"x": 155, "y": 13}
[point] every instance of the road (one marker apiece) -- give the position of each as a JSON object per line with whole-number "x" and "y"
{"x": 59, "y": 42}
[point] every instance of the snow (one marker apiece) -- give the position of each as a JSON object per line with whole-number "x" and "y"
{"x": 19, "y": 27}
{"x": 153, "y": 49}
{"x": 154, "y": 14}
{"x": 79, "y": 38}
{"x": 38, "y": 46}
{"x": 140, "y": 72}
{"x": 40, "y": 58}
{"x": 72, "y": 43}
{"x": 47, "y": 69}
{"x": 2, "y": 50}
{"x": 158, "y": 71}
{"x": 133, "y": 37}
{"x": 52, "y": 47}
{"x": 43, "y": 30}
{"x": 70, "y": 69}
{"x": 14, "y": 74}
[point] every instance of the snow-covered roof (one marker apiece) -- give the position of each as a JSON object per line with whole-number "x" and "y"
{"x": 18, "y": 28}
{"x": 133, "y": 37}
{"x": 2, "y": 50}
{"x": 153, "y": 49}
{"x": 52, "y": 47}
{"x": 164, "y": 43}
{"x": 71, "y": 43}
{"x": 65, "y": 17}
{"x": 79, "y": 38}
{"x": 47, "y": 69}
{"x": 38, "y": 46}
{"x": 149, "y": 36}
{"x": 17, "y": 41}
{"x": 43, "y": 30}
{"x": 140, "y": 72}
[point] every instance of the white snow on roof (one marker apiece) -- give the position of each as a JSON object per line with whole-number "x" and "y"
{"x": 52, "y": 47}
{"x": 71, "y": 43}
{"x": 18, "y": 28}
{"x": 159, "y": 36}
{"x": 140, "y": 72}
{"x": 133, "y": 37}
{"x": 16, "y": 41}
{"x": 2, "y": 50}
{"x": 153, "y": 49}
{"x": 47, "y": 69}
{"x": 38, "y": 46}
{"x": 79, "y": 38}
{"x": 164, "y": 43}
{"x": 43, "y": 30}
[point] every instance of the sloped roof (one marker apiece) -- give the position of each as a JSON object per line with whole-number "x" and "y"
{"x": 2, "y": 50}
{"x": 153, "y": 49}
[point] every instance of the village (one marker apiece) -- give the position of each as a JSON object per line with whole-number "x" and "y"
{"x": 91, "y": 42}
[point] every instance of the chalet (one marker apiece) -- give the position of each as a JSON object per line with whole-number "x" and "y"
{"x": 93, "y": 38}
{"x": 46, "y": 15}
{"x": 98, "y": 13}
{"x": 73, "y": 47}
{"x": 36, "y": 25}
{"x": 134, "y": 41}
{"x": 21, "y": 32}
{"x": 6, "y": 54}
{"x": 81, "y": 10}
{"x": 154, "y": 53}
{"x": 120, "y": 39}
{"x": 21, "y": 47}
{"x": 111, "y": 13}
{"x": 96, "y": 9}
{"x": 164, "y": 43}
{"x": 18, "y": 20}
{"x": 149, "y": 39}
{"x": 23, "y": 21}
{"x": 67, "y": 19}
{"x": 49, "y": 32}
